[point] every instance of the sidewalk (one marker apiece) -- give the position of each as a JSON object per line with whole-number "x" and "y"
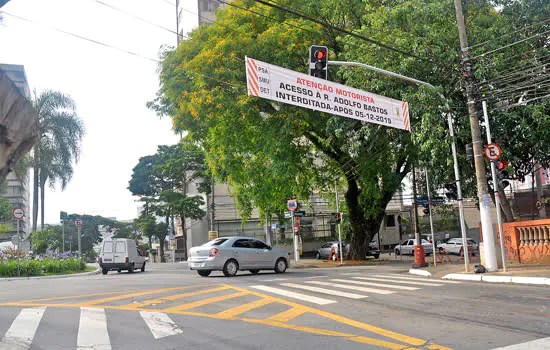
{"x": 521, "y": 274}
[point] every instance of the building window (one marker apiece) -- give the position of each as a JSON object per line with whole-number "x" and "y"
{"x": 390, "y": 221}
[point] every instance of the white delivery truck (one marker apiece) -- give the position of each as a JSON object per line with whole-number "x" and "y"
{"x": 120, "y": 254}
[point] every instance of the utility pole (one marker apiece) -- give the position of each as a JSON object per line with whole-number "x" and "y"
{"x": 212, "y": 215}
{"x": 341, "y": 252}
{"x": 419, "y": 259}
{"x": 481, "y": 175}
{"x": 178, "y": 38}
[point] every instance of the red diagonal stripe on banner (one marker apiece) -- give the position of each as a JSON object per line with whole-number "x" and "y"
{"x": 252, "y": 69}
{"x": 406, "y": 121}
{"x": 251, "y": 89}
{"x": 253, "y": 81}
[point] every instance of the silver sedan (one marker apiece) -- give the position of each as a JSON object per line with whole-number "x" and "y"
{"x": 231, "y": 254}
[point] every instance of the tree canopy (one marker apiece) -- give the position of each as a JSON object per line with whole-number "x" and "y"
{"x": 269, "y": 152}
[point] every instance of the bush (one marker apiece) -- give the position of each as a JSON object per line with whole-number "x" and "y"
{"x": 39, "y": 267}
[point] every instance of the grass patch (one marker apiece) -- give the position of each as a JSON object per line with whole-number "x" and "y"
{"x": 88, "y": 269}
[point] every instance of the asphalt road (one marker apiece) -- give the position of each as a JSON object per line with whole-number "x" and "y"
{"x": 170, "y": 307}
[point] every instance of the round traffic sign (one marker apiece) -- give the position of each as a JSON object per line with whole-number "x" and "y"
{"x": 492, "y": 151}
{"x": 78, "y": 222}
{"x": 538, "y": 205}
{"x": 18, "y": 213}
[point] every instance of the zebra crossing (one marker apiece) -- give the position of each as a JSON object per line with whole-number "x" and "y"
{"x": 378, "y": 284}
{"x": 92, "y": 328}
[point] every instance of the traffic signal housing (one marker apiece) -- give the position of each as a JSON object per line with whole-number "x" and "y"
{"x": 318, "y": 61}
{"x": 337, "y": 217}
{"x": 452, "y": 191}
{"x": 502, "y": 174}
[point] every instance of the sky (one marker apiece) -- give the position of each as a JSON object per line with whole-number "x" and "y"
{"x": 110, "y": 87}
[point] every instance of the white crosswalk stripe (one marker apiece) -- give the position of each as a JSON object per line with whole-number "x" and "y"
{"x": 160, "y": 324}
{"x": 356, "y": 288}
{"x": 383, "y": 285}
{"x": 299, "y": 296}
{"x": 416, "y": 279}
{"x": 399, "y": 281}
{"x": 22, "y": 330}
{"x": 92, "y": 330}
{"x": 326, "y": 291}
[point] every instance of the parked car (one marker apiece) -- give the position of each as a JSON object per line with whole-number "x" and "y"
{"x": 324, "y": 251}
{"x": 121, "y": 254}
{"x": 231, "y": 254}
{"x": 407, "y": 247}
{"x": 374, "y": 250}
{"x": 454, "y": 245}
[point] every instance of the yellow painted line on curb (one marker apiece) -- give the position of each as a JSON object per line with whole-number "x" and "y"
{"x": 202, "y": 302}
{"x": 287, "y": 315}
{"x": 131, "y": 295}
{"x": 235, "y": 311}
{"x": 172, "y": 298}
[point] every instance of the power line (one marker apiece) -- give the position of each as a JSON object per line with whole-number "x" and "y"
{"x": 327, "y": 25}
{"x": 81, "y": 37}
{"x": 510, "y": 33}
{"x": 514, "y": 43}
{"x": 134, "y": 16}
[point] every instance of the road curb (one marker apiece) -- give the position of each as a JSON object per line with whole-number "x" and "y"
{"x": 419, "y": 272}
{"x": 498, "y": 279}
{"x": 95, "y": 272}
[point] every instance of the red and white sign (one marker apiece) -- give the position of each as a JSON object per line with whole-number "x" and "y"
{"x": 284, "y": 85}
{"x": 18, "y": 213}
{"x": 492, "y": 151}
{"x": 291, "y": 204}
{"x": 538, "y": 205}
{"x": 78, "y": 222}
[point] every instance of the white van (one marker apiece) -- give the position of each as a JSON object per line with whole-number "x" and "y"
{"x": 120, "y": 254}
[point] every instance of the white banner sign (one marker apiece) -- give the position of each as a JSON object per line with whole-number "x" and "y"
{"x": 284, "y": 85}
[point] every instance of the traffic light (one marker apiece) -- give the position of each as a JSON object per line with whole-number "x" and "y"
{"x": 502, "y": 174}
{"x": 318, "y": 61}
{"x": 337, "y": 217}
{"x": 452, "y": 191}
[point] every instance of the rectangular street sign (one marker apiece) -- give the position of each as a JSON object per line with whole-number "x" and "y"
{"x": 288, "y": 214}
{"x": 284, "y": 85}
{"x": 299, "y": 213}
{"x": 273, "y": 226}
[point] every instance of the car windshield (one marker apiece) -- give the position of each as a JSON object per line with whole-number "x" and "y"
{"x": 214, "y": 242}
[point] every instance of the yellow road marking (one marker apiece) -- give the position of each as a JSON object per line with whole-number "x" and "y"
{"x": 384, "y": 332}
{"x": 203, "y": 302}
{"x": 233, "y": 312}
{"x": 69, "y": 297}
{"x": 131, "y": 295}
{"x": 287, "y": 315}
{"x": 172, "y": 297}
{"x": 377, "y": 342}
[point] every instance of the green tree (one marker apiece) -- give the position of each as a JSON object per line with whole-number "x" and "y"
{"x": 163, "y": 179}
{"x": 268, "y": 151}
{"x": 57, "y": 147}
{"x": 6, "y": 210}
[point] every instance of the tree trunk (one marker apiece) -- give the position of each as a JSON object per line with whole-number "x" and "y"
{"x": 358, "y": 240}
{"x": 505, "y": 207}
{"x": 35, "y": 198}
{"x": 42, "y": 197}
{"x": 161, "y": 245}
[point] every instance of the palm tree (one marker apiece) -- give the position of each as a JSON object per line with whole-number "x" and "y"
{"x": 58, "y": 145}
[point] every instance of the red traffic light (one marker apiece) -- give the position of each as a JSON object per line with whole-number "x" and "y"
{"x": 321, "y": 54}
{"x": 502, "y": 164}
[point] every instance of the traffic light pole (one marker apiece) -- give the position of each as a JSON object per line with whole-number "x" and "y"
{"x": 453, "y": 146}
{"x": 341, "y": 252}
{"x": 496, "y": 185}
{"x": 294, "y": 240}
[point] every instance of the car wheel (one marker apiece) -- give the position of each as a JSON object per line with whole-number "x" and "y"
{"x": 254, "y": 271}
{"x": 376, "y": 256}
{"x": 131, "y": 269}
{"x": 230, "y": 268}
{"x": 104, "y": 271}
{"x": 143, "y": 267}
{"x": 397, "y": 252}
{"x": 119, "y": 270}
{"x": 318, "y": 256}
{"x": 280, "y": 265}
{"x": 204, "y": 273}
